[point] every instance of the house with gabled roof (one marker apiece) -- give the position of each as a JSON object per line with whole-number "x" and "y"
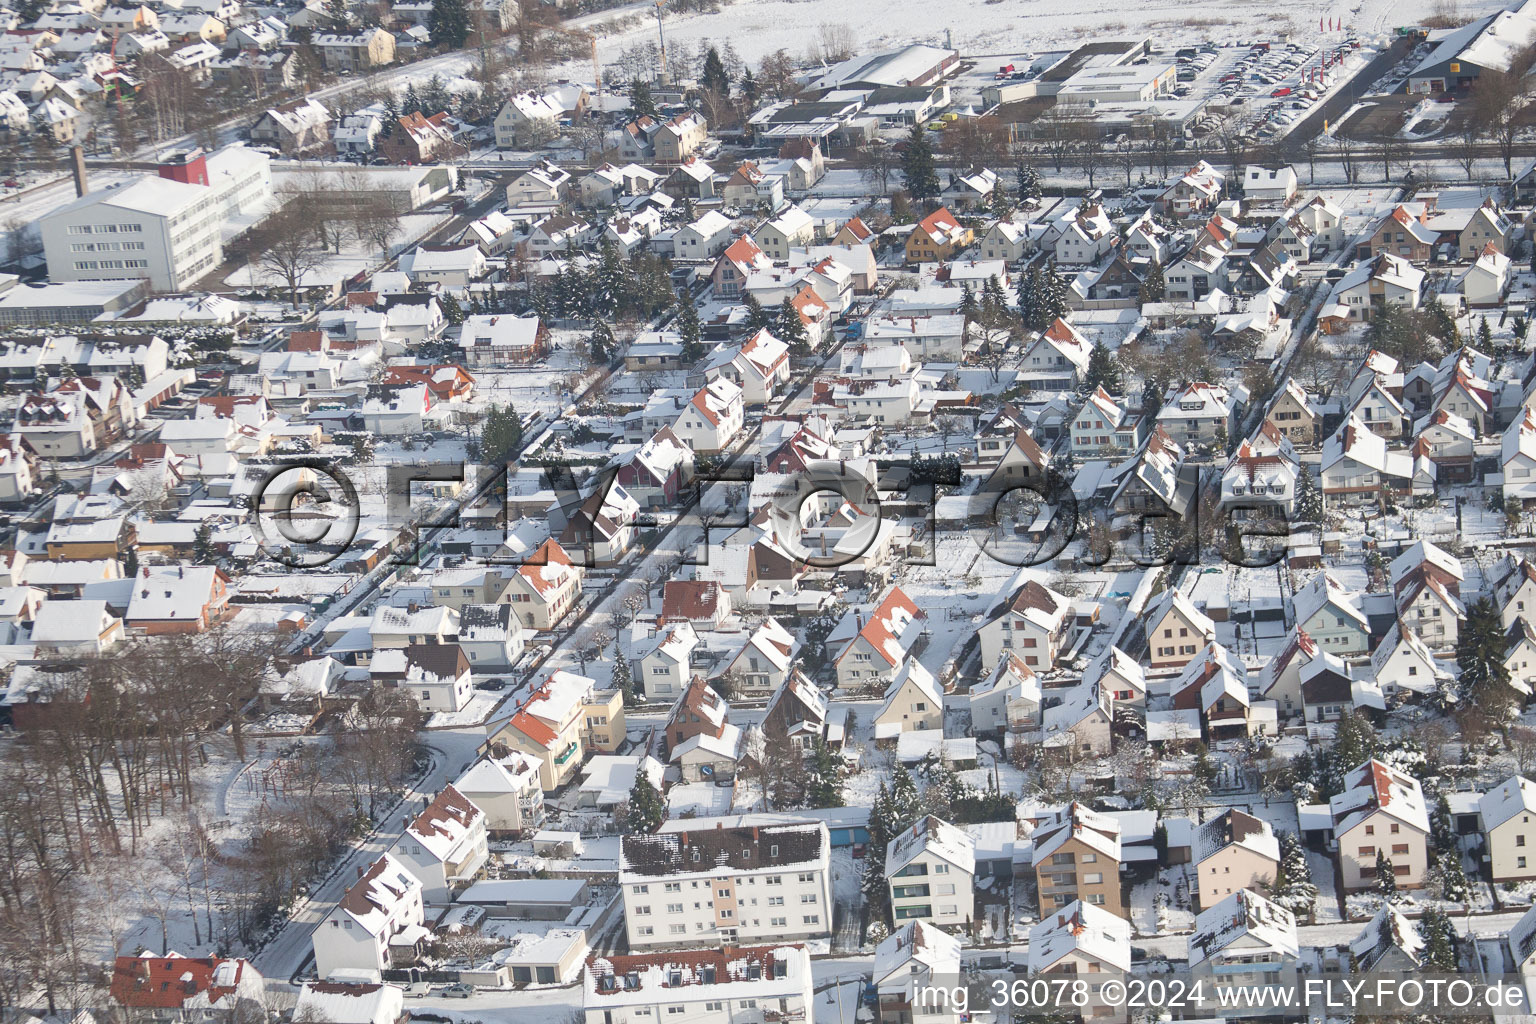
{"x": 436, "y": 675}
{"x": 1154, "y": 483}
{"x": 177, "y": 599}
{"x": 1008, "y": 700}
{"x": 1285, "y": 674}
{"x": 1195, "y": 191}
{"x": 1076, "y": 856}
{"x": 759, "y": 366}
{"x": 798, "y": 714}
{"x": 602, "y": 529}
{"x": 876, "y": 643}
{"x": 1380, "y": 811}
{"x": 445, "y": 845}
{"x": 1032, "y": 621}
{"x": 1201, "y": 412}
{"x": 1357, "y": 466}
{"x": 1079, "y": 722}
{"x": 739, "y": 261}
{"x": 703, "y": 603}
{"x": 937, "y": 237}
{"x": 1512, "y": 585}
{"x": 793, "y": 228}
{"x": 545, "y": 588}
{"x": 1055, "y": 359}
{"x": 1083, "y": 235}
{"x": 914, "y": 956}
{"x": 655, "y": 473}
{"x": 930, "y": 869}
{"x": 1517, "y": 457}
{"x": 1374, "y": 404}
{"x": 698, "y": 709}
{"x": 666, "y": 660}
{"x": 1402, "y": 663}
{"x": 913, "y": 702}
{"x": 1428, "y": 604}
{"x": 1233, "y": 851}
{"x": 1176, "y": 629}
{"x": 1402, "y": 232}
{"x": 1389, "y": 942}
{"x": 1215, "y": 683}
{"x": 1259, "y": 484}
{"x": 1486, "y": 282}
{"x": 543, "y": 184}
{"x": 1104, "y": 425}
{"x": 712, "y": 418}
{"x": 378, "y": 919}
{"x": 1006, "y": 240}
{"x": 1507, "y": 813}
{"x": 1382, "y": 280}
{"x": 1244, "y": 940}
{"x": 1331, "y": 615}
{"x": 181, "y": 988}
{"x": 764, "y": 661}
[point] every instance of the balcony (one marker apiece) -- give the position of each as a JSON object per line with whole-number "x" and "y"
{"x": 567, "y": 754}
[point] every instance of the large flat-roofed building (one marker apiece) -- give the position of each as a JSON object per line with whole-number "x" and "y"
{"x": 914, "y": 64}
{"x": 24, "y": 305}
{"x": 1119, "y": 83}
{"x": 166, "y": 228}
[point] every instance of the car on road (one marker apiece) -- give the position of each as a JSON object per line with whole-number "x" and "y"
{"x": 418, "y": 990}
{"x": 459, "y": 991}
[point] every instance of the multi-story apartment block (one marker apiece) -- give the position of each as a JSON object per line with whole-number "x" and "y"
{"x": 722, "y": 886}
{"x": 754, "y": 985}
{"x": 1077, "y": 857}
{"x": 930, "y": 868}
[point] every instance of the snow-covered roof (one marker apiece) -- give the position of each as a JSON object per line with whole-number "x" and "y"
{"x": 931, "y": 835}
{"x": 1515, "y": 795}
{"x": 1245, "y": 914}
{"x": 1082, "y": 929}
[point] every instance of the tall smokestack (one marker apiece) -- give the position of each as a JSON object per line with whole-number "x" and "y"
{"x": 77, "y": 169}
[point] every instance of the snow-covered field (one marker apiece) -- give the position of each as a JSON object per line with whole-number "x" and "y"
{"x": 757, "y": 28}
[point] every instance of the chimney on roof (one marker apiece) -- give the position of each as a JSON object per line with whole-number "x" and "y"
{"x": 77, "y": 169}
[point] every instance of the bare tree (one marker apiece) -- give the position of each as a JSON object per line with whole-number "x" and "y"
{"x": 876, "y": 161}
{"x": 1499, "y": 100}
{"x": 286, "y": 247}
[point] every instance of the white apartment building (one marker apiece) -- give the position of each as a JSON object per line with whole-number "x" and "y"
{"x": 723, "y": 886}
{"x": 167, "y": 228}
{"x": 715, "y": 986}
{"x": 930, "y": 868}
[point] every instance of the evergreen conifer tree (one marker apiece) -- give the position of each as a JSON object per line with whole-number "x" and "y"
{"x": 922, "y": 177}
{"x": 448, "y": 24}
{"x": 688, "y": 329}
{"x": 641, "y": 102}
{"x": 1103, "y": 370}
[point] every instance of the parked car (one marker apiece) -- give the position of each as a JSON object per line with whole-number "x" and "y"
{"x": 418, "y": 990}
{"x": 459, "y": 991}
